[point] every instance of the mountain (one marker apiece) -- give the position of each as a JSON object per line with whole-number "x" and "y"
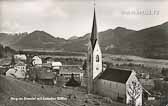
{"x": 73, "y": 38}
{"x": 10, "y": 39}
{"x": 39, "y": 40}
{"x": 150, "y": 42}
{"x": 108, "y": 39}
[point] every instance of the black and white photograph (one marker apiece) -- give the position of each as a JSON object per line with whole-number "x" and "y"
{"x": 83, "y": 53}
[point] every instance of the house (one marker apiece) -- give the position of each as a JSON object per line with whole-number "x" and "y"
{"x": 56, "y": 65}
{"x": 43, "y": 74}
{"x": 18, "y": 71}
{"x": 67, "y": 72}
{"x": 20, "y": 66}
{"x": 14, "y": 73}
{"x": 36, "y": 60}
{"x": 48, "y": 60}
{"x": 20, "y": 57}
{"x": 11, "y": 73}
{"x": 45, "y": 77}
{"x": 119, "y": 84}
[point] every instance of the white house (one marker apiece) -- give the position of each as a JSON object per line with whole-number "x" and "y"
{"x": 11, "y": 73}
{"x": 20, "y": 57}
{"x": 56, "y": 65}
{"x": 119, "y": 84}
{"x": 20, "y": 66}
{"x": 36, "y": 60}
{"x": 19, "y": 71}
{"x": 14, "y": 73}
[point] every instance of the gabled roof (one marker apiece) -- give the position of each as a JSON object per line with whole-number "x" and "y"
{"x": 36, "y": 57}
{"x": 116, "y": 75}
{"x": 71, "y": 70}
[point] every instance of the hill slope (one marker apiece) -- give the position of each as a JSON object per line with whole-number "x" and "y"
{"x": 151, "y": 42}
{"x": 15, "y": 88}
{"x": 39, "y": 40}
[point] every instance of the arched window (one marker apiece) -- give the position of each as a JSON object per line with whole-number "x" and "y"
{"x": 97, "y": 58}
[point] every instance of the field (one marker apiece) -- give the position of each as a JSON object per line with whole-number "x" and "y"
{"x": 14, "y": 88}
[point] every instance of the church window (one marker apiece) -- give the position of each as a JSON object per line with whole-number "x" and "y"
{"x": 97, "y": 58}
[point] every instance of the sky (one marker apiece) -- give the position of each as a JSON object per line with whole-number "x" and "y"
{"x": 66, "y": 18}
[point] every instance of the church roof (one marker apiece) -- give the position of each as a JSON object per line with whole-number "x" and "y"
{"x": 93, "y": 37}
{"x": 116, "y": 75}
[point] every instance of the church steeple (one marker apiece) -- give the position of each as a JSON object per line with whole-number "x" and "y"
{"x": 93, "y": 37}
{"x": 94, "y": 57}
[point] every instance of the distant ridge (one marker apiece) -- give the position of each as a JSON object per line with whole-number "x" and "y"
{"x": 150, "y": 42}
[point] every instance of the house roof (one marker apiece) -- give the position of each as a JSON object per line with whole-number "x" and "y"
{"x": 20, "y": 64}
{"x": 20, "y": 56}
{"x": 71, "y": 70}
{"x": 36, "y": 57}
{"x": 56, "y": 64}
{"x": 116, "y": 75}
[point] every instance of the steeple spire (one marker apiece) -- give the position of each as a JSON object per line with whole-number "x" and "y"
{"x": 94, "y": 60}
{"x": 93, "y": 37}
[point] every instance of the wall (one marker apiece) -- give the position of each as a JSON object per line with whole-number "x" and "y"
{"x": 97, "y": 65}
{"x": 135, "y": 89}
{"x": 110, "y": 89}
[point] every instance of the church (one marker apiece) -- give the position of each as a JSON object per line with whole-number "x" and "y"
{"x": 120, "y": 85}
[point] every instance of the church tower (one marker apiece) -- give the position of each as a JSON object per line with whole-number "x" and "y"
{"x": 94, "y": 58}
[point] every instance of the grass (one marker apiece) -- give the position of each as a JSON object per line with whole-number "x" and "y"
{"x": 10, "y": 87}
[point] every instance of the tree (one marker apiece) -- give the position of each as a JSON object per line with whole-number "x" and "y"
{"x": 5, "y": 51}
{"x": 12, "y": 60}
{"x": 1, "y": 51}
{"x": 134, "y": 91}
{"x": 164, "y": 72}
{"x": 85, "y": 65}
{"x": 72, "y": 82}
